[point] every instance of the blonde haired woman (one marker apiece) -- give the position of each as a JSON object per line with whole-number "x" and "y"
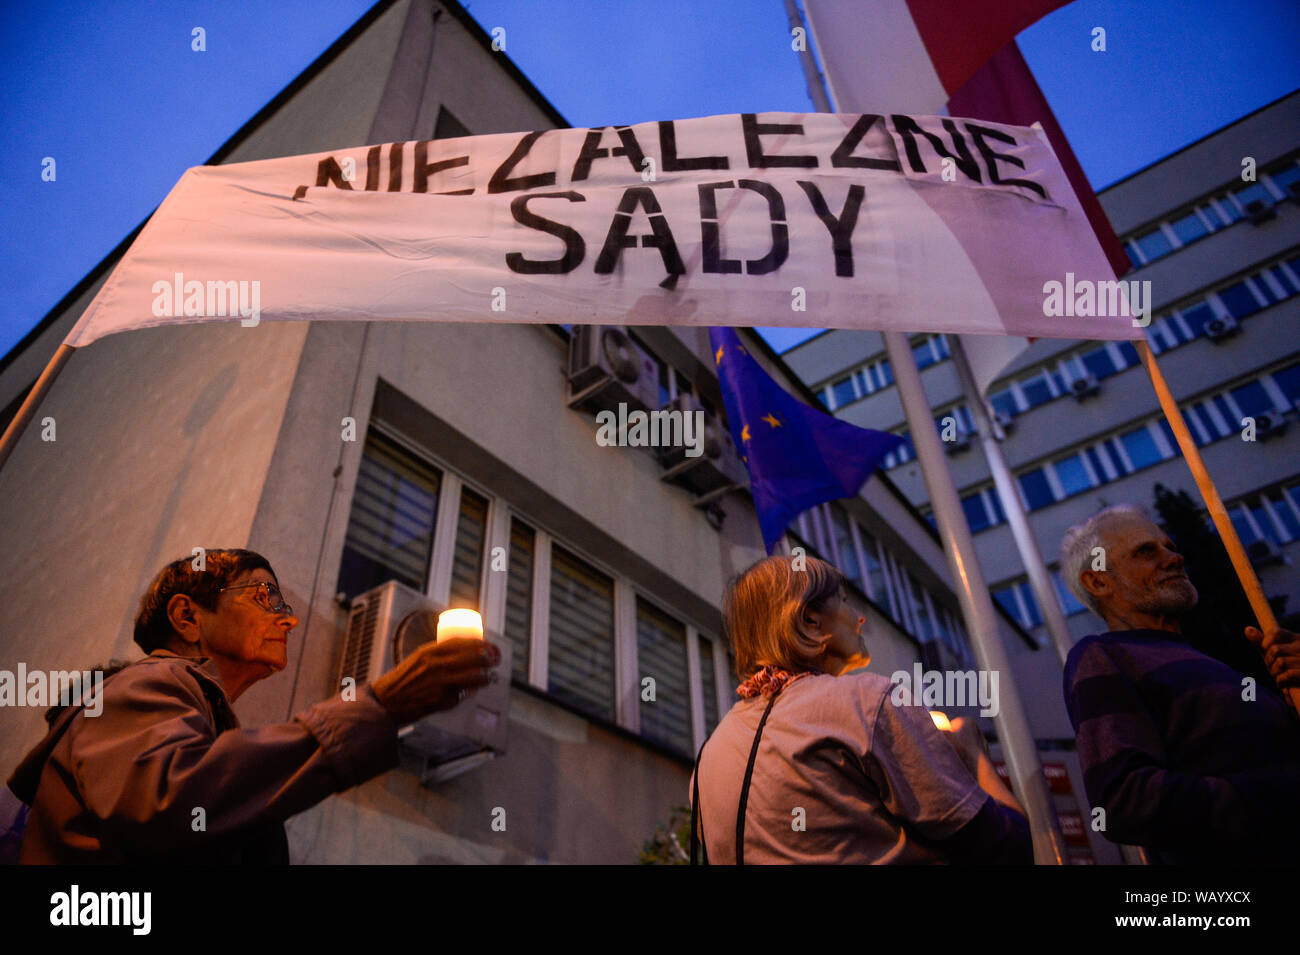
{"x": 816, "y": 764}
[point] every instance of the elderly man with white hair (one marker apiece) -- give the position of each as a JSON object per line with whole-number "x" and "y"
{"x": 1189, "y": 758}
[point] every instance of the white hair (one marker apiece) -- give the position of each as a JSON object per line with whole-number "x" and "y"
{"x": 1079, "y": 542}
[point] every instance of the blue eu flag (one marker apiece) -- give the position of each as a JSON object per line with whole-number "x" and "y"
{"x": 797, "y": 456}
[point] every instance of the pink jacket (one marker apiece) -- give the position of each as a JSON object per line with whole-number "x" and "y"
{"x": 166, "y": 774}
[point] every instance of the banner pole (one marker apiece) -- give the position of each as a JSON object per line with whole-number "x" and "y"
{"x": 34, "y": 397}
{"x": 1214, "y": 504}
{"x": 1048, "y": 602}
{"x": 1018, "y": 747}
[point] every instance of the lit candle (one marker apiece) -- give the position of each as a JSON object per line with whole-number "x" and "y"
{"x": 460, "y": 623}
{"x": 939, "y": 716}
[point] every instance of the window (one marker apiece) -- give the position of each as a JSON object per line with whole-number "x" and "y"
{"x": 1069, "y": 604}
{"x": 708, "y": 684}
{"x": 581, "y": 652}
{"x": 982, "y": 509}
{"x": 1038, "y": 493}
{"x": 977, "y": 515}
{"x": 1196, "y": 317}
{"x": 874, "y": 578}
{"x": 1153, "y": 244}
{"x": 1283, "y": 278}
{"x": 1256, "y": 191}
{"x": 1005, "y": 402}
{"x": 1006, "y": 598}
{"x": 1036, "y": 390}
{"x": 1259, "y": 511}
{"x": 1099, "y": 363}
{"x": 661, "y": 656}
{"x": 1239, "y": 300}
{"x": 1252, "y": 399}
{"x": 1241, "y": 523}
{"x": 1288, "y": 379}
{"x": 1190, "y": 228}
{"x": 846, "y": 557}
{"x": 1229, "y": 209}
{"x": 1285, "y": 516}
{"x": 843, "y": 391}
{"x": 903, "y": 453}
{"x": 928, "y": 352}
{"x": 467, "y": 559}
{"x": 519, "y": 595}
{"x": 1073, "y": 475}
{"x": 390, "y": 529}
{"x": 1141, "y": 447}
{"x": 1018, "y": 600}
{"x": 1286, "y": 176}
{"x": 1200, "y": 414}
{"x": 920, "y": 610}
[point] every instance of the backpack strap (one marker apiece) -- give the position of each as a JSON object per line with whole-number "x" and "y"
{"x": 749, "y": 775}
{"x": 699, "y": 851}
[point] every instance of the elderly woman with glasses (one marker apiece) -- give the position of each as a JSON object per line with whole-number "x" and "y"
{"x": 817, "y": 763}
{"x": 165, "y": 773}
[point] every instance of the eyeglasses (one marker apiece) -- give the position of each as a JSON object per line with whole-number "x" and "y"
{"x": 268, "y": 598}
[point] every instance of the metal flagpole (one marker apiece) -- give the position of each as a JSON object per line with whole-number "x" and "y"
{"x": 1214, "y": 504}
{"x": 976, "y": 604}
{"x": 1048, "y": 601}
{"x": 28, "y": 410}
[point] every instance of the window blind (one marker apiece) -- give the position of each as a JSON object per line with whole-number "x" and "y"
{"x": 580, "y": 658}
{"x": 467, "y": 558}
{"x": 661, "y": 655}
{"x": 519, "y": 595}
{"x": 390, "y": 528}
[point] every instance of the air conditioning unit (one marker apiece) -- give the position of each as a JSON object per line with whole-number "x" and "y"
{"x": 710, "y": 474}
{"x": 1005, "y": 421}
{"x": 607, "y": 368}
{"x": 1269, "y": 425}
{"x": 1085, "y": 386}
{"x": 1225, "y": 326}
{"x": 387, "y": 624}
{"x": 960, "y": 443}
{"x": 1263, "y": 552}
{"x": 1259, "y": 211}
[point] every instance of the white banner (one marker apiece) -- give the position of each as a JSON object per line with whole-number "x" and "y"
{"x": 908, "y": 223}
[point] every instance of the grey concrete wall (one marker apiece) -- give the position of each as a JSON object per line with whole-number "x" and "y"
{"x": 163, "y": 439}
{"x": 1205, "y": 166}
{"x": 571, "y": 793}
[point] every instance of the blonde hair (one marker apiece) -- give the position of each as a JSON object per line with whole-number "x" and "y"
{"x": 763, "y": 605}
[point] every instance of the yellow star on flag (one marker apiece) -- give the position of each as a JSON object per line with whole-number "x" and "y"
{"x": 772, "y": 419}
{"x": 717, "y": 359}
{"x": 744, "y": 433}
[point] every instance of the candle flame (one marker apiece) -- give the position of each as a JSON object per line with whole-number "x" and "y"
{"x": 460, "y": 622}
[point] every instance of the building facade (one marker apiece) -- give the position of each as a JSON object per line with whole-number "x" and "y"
{"x": 455, "y": 459}
{"x": 1215, "y": 229}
